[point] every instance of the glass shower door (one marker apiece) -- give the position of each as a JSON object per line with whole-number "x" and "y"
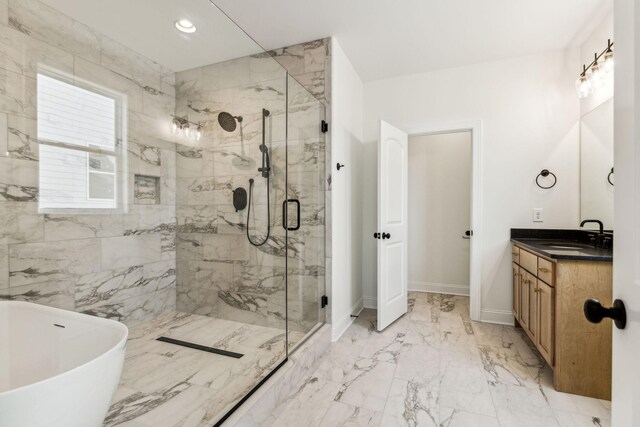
{"x": 305, "y": 213}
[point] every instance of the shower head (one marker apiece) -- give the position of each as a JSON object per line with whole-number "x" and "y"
{"x": 228, "y": 122}
{"x": 263, "y": 148}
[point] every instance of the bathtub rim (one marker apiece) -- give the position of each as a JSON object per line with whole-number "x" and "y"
{"x": 119, "y": 346}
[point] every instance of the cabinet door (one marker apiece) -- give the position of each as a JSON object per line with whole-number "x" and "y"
{"x": 533, "y": 306}
{"x": 546, "y": 321}
{"x": 516, "y": 290}
{"x": 524, "y": 299}
{"x": 515, "y": 254}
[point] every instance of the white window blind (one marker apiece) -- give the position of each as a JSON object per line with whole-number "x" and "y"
{"x": 78, "y": 134}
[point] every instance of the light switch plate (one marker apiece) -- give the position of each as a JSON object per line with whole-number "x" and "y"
{"x": 537, "y": 215}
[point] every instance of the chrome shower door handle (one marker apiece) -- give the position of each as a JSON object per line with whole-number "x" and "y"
{"x": 285, "y": 219}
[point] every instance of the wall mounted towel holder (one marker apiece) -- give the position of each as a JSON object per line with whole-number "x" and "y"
{"x": 545, "y": 173}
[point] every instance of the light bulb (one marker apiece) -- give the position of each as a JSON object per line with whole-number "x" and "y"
{"x": 583, "y": 86}
{"x": 174, "y": 128}
{"x": 596, "y": 76}
{"x": 199, "y": 133}
{"x": 187, "y": 131}
{"x": 607, "y": 64}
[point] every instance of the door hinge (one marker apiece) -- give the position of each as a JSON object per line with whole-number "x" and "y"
{"x": 324, "y": 127}
{"x": 324, "y": 301}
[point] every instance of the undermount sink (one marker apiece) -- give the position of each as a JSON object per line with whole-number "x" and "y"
{"x": 566, "y": 246}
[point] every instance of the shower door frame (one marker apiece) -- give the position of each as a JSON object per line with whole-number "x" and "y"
{"x": 323, "y": 131}
{"x": 323, "y": 320}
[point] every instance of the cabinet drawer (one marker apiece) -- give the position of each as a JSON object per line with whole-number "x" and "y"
{"x": 515, "y": 254}
{"x": 546, "y": 271}
{"x": 528, "y": 261}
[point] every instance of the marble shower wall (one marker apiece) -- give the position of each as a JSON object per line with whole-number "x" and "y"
{"x": 120, "y": 266}
{"x": 219, "y": 273}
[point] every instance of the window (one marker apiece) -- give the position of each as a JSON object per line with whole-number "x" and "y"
{"x": 79, "y": 134}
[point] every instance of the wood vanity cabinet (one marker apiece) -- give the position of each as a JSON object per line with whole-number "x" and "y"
{"x": 516, "y": 290}
{"x": 548, "y": 296}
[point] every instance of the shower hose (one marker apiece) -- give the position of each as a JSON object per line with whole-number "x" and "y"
{"x": 268, "y": 214}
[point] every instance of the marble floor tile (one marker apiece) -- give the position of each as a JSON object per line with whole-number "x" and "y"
{"x": 310, "y": 404}
{"x": 338, "y": 362}
{"x": 412, "y": 403}
{"x": 568, "y": 419}
{"x": 342, "y": 415}
{"x": 457, "y": 418}
{"x": 163, "y": 384}
{"x": 367, "y": 385}
{"x": 434, "y": 366}
{"x": 464, "y": 386}
{"x": 521, "y": 406}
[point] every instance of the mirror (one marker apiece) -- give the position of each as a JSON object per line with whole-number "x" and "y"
{"x": 596, "y": 165}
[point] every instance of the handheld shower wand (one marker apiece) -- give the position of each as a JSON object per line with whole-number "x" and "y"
{"x": 265, "y": 169}
{"x": 263, "y": 148}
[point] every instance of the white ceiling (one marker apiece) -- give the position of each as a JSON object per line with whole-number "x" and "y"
{"x": 389, "y": 38}
{"x": 383, "y": 38}
{"x": 147, "y": 26}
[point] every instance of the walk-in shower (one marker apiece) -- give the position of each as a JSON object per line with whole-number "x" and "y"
{"x": 121, "y": 169}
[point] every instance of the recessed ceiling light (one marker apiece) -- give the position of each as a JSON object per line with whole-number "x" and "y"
{"x": 185, "y": 26}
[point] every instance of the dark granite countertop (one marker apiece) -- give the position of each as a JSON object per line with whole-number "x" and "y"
{"x": 561, "y": 244}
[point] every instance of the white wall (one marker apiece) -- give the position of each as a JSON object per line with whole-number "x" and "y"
{"x": 530, "y": 117}
{"x": 346, "y": 140}
{"x": 596, "y": 42}
{"x": 439, "y": 212}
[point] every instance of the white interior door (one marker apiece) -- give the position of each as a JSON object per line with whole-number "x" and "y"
{"x": 392, "y": 224}
{"x": 626, "y": 255}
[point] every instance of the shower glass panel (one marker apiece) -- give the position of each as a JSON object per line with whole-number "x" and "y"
{"x": 143, "y": 178}
{"x": 231, "y": 260}
{"x": 305, "y": 212}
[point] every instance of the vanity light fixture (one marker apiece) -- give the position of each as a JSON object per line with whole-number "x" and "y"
{"x": 593, "y": 75}
{"x": 583, "y": 84}
{"x": 607, "y": 63}
{"x": 185, "y": 26}
{"x": 597, "y": 80}
{"x": 181, "y": 127}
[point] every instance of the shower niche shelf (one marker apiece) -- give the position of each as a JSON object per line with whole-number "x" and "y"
{"x": 146, "y": 190}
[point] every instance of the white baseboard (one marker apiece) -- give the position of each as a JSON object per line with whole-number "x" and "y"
{"x": 501, "y": 317}
{"x": 439, "y": 288}
{"x": 339, "y": 328}
{"x": 370, "y": 302}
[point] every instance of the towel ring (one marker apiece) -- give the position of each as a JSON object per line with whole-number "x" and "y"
{"x": 545, "y": 173}
{"x": 609, "y": 177}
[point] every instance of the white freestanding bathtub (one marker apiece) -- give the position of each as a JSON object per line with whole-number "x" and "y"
{"x": 57, "y": 368}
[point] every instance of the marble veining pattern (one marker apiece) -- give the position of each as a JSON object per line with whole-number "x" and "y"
{"x": 167, "y": 385}
{"x": 431, "y": 369}
{"x": 210, "y": 230}
{"x": 116, "y": 264}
